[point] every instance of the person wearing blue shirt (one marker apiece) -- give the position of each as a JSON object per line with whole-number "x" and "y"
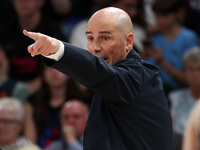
{"x": 169, "y": 46}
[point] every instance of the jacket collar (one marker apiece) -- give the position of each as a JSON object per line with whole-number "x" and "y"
{"x": 133, "y": 54}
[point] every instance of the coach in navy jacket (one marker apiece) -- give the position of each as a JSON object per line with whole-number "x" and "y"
{"x": 129, "y": 110}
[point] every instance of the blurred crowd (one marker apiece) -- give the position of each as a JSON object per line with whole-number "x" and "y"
{"x": 41, "y": 108}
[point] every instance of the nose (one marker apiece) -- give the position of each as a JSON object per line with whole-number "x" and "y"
{"x": 71, "y": 121}
{"x": 94, "y": 47}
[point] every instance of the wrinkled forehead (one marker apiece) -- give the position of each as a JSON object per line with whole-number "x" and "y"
{"x": 101, "y": 24}
{"x": 102, "y": 20}
{"x": 7, "y": 115}
{"x": 74, "y": 108}
{"x": 112, "y": 19}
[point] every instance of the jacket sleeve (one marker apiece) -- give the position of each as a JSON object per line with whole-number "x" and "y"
{"x": 119, "y": 83}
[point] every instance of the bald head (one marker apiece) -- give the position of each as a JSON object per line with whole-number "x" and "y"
{"x": 117, "y": 17}
{"x": 76, "y": 105}
{"x": 109, "y": 34}
{"x": 75, "y": 113}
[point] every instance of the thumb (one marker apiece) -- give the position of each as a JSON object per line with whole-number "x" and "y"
{"x": 32, "y": 35}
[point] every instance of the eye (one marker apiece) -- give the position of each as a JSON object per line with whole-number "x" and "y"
{"x": 105, "y": 38}
{"x": 90, "y": 38}
{"x": 77, "y": 116}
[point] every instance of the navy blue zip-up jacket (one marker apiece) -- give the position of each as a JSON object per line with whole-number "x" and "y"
{"x": 129, "y": 110}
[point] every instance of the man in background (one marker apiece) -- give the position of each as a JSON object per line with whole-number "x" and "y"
{"x": 11, "y": 125}
{"x": 74, "y": 115}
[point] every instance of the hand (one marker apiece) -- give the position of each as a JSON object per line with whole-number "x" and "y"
{"x": 155, "y": 53}
{"x": 69, "y": 133}
{"x": 44, "y": 45}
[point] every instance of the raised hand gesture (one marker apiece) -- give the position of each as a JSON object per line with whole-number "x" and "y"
{"x": 44, "y": 45}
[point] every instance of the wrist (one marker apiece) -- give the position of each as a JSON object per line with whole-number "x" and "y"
{"x": 70, "y": 139}
{"x": 160, "y": 60}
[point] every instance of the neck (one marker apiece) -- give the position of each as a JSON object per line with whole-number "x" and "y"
{"x": 58, "y": 91}
{"x": 30, "y": 22}
{"x": 58, "y": 96}
{"x": 172, "y": 32}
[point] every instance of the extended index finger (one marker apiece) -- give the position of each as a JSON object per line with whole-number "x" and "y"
{"x": 32, "y": 35}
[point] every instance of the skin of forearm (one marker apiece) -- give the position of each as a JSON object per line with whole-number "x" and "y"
{"x": 176, "y": 74}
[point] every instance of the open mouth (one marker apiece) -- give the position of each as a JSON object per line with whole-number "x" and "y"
{"x": 105, "y": 59}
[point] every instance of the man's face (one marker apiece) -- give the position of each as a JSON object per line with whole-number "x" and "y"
{"x": 192, "y": 71}
{"x": 75, "y": 114}
{"x": 105, "y": 41}
{"x": 166, "y": 21}
{"x": 55, "y": 78}
{"x": 9, "y": 128}
{"x": 25, "y": 8}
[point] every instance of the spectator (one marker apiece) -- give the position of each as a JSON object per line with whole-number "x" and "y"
{"x": 11, "y": 125}
{"x": 43, "y": 109}
{"x": 168, "y": 47}
{"x": 192, "y": 132}
{"x": 184, "y": 99}
{"x": 74, "y": 115}
{"x": 8, "y": 86}
{"x": 29, "y": 16}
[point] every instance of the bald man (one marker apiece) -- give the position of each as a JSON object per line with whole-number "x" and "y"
{"x": 129, "y": 110}
{"x": 74, "y": 115}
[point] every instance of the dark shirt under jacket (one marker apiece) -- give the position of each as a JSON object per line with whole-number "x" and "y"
{"x": 129, "y": 110}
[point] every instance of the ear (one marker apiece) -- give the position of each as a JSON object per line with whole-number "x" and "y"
{"x": 129, "y": 42}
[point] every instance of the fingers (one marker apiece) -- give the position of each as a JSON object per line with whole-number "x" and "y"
{"x": 43, "y": 45}
{"x": 40, "y": 46}
{"x": 30, "y": 49}
{"x": 53, "y": 46}
{"x": 32, "y": 35}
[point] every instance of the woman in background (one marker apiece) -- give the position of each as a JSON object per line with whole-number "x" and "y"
{"x": 43, "y": 108}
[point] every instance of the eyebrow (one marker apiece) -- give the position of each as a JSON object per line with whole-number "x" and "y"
{"x": 101, "y": 32}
